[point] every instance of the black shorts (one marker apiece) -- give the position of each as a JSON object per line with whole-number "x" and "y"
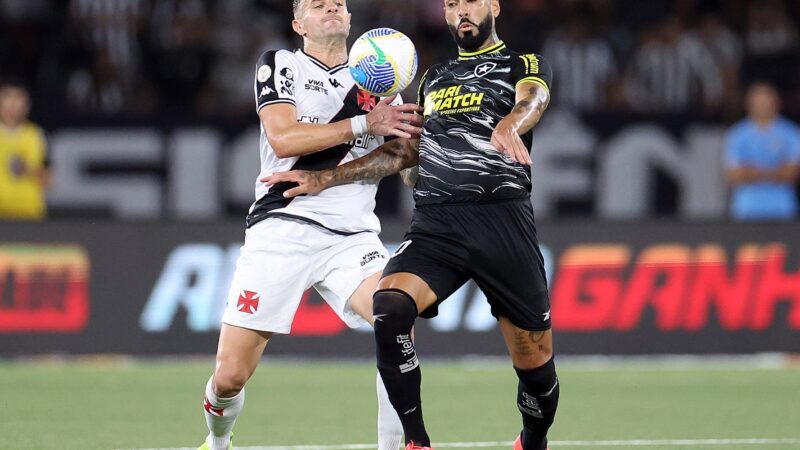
{"x": 492, "y": 243}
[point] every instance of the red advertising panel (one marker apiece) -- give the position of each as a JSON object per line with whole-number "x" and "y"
{"x": 44, "y": 288}
{"x": 609, "y": 287}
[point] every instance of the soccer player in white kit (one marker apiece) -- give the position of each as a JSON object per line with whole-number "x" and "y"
{"x": 313, "y": 117}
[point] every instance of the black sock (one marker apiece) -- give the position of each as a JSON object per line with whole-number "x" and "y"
{"x": 394, "y": 312}
{"x": 537, "y": 399}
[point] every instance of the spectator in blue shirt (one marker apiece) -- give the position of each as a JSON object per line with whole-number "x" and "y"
{"x": 762, "y": 156}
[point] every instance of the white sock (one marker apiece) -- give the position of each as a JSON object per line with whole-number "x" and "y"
{"x": 221, "y": 414}
{"x": 390, "y": 430}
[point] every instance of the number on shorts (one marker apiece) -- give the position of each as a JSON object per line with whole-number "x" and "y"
{"x": 402, "y": 248}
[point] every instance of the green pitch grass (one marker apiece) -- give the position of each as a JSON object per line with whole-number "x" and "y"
{"x": 125, "y": 405}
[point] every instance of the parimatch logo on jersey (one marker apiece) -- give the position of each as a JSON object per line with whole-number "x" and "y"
{"x": 452, "y": 101}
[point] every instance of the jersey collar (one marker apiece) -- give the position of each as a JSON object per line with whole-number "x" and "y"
{"x": 495, "y": 48}
{"x": 321, "y": 64}
{"x": 11, "y": 130}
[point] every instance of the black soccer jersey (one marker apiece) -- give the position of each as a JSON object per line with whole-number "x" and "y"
{"x": 464, "y": 99}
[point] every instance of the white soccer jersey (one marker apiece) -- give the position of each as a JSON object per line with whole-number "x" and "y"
{"x": 321, "y": 95}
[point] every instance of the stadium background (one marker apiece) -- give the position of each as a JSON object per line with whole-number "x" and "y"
{"x": 153, "y": 140}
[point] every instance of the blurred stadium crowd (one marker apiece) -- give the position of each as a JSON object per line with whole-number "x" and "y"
{"x": 130, "y": 58}
{"x": 680, "y": 67}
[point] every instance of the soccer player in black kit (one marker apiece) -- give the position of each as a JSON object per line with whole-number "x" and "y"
{"x": 473, "y": 217}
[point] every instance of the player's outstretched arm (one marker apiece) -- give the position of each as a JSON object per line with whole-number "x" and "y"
{"x": 290, "y": 138}
{"x": 389, "y": 158}
{"x": 532, "y": 100}
{"x": 409, "y": 176}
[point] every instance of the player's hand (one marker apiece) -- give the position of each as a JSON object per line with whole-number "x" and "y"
{"x": 506, "y": 140}
{"x": 309, "y": 183}
{"x": 402, "y": 121}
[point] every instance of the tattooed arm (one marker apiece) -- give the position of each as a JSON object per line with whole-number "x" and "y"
{"x": 409, "y": 176}
{"x": 532, "y": 100}
{"x": 389, "y": 158}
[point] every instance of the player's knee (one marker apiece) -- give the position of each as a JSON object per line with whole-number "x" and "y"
{"x": 394, "y": 312}
{"x": 229, "y": 380}
{"x": 531, "y": 349}
{"x": 533, "y": 359}
{"x": 545, "y": 355}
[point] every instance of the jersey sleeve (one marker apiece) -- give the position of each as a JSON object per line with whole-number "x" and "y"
{"x": 531, "y": 67}
{"x": 275, "y": 79}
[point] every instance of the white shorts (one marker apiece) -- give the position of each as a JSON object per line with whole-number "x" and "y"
{"x": 281, "y": 258}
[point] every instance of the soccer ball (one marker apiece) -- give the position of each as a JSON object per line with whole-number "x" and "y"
{"x": 383, "y": 61}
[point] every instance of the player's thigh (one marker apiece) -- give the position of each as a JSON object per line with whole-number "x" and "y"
{"x": 508, "y": 267}
{"x": 346, "y": 275}
{"x": 528, "y": 349}
{"x": 273, "y": 270}
{"x": 238, "y": 354}
{"x": 427, "y": 267}
{"x": 361, "y": 300}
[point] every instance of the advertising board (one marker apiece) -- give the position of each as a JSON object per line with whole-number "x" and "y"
{"x": 616, "y": 288}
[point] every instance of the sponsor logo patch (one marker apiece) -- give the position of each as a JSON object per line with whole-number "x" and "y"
{"x": 265, "y": 91}
{"x": 264, "y": 72}
{"x": 530, "y": 406}
{"x": 371, "y": 256}
{"x": 316, "y": 86}
{"x": 408, "y": 352}
{"x": 453, "y": 100}
{"x": 287, "y": 84}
